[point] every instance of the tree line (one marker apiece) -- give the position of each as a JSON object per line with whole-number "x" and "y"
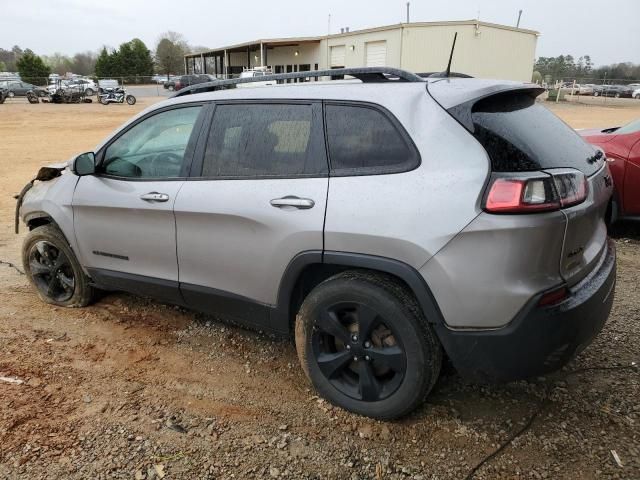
{"x": 566, "y": 67}
{"x": 130, "y": 60}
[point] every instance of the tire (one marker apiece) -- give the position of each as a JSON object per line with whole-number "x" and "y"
{"x": 41, "y": 258}
{"x": 11, "y": 94}
{"x": 89, "y": 92}
{"x": 596, "y": 94}
{"x": 131, "y": 100}
{"x": 637, "y": 97}
{"x": 389, "y": 359}
{"x": 171, "y": 88}
{"x": 104, "y": 101}
{"x": 617, "y": 95}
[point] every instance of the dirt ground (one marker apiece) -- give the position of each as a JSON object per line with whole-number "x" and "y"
{"x": 129, "y": 388}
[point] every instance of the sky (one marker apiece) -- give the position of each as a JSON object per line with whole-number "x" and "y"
{"x": 609, "y": 31}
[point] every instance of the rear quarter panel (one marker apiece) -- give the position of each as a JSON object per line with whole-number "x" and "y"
{"x": 410, "y": 216}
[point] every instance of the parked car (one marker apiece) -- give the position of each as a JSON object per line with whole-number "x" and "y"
{"x": 188, "y": 80}
{"x": 160, "y": 79}
{"x": 107, "y": 83}
{"x": 622, "y": 147}
{"x": 380, "y": 225}
{"x": 586, "y": 89}
{"x": 171, "y": 83}
{"x": 634, "y": 86}
{"x": 82, "y": 85}
{"x": 636, "y": 94}
{"x": 18, "y": 88}
{"x": 256, "y": 72}
{"x": 617, "y": 91}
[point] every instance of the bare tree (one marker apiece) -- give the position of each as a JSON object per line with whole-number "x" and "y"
{"x": 170, "y": 51}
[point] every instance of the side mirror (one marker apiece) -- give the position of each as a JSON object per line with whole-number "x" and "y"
{"x": 85, "y": 164}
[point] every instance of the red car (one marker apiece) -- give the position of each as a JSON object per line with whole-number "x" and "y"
{"x": 622, "y": 147}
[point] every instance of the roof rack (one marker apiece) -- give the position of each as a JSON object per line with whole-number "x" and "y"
{"x": 364, "y": 74}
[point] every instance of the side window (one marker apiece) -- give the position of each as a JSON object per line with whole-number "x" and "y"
{"x": 364, "y": 140}
{"x": 154, "y": 147}
{"x": 263, "y": 141}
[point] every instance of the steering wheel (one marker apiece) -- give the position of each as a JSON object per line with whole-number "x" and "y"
{"x": 165, "y": 162}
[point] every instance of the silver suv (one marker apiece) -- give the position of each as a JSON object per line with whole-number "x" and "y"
{"x": 384, "y": 223}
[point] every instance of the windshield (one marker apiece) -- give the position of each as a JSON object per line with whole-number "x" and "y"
{"x": 632, "y": 127}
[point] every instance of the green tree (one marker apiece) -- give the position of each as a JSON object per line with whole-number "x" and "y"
{"x": 3, "y": 67}
{"x": 32, "y": 69}
{"x": 141, "y": 59}
{"x": 170, "y": 53}
{"x": 536, "y": 77}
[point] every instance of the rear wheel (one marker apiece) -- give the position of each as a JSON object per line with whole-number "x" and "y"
{"x": 131, "y": 100}
{"x": 103, "y": 100}
{"x": 637, "y": 96}
{"x": 11, "y": 94}
{"x": 617, "y": 95}
{"x": 596, "y": 94}
{"x": 53, "y": 269}
{"x": 89, "y": 92}
{"x": 365, "y": 345}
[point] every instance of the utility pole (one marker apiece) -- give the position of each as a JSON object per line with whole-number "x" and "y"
{"x": 408, "y": 4}
{"x": 519, "y": 16}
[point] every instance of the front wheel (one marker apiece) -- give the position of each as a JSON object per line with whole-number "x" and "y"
{"x": 11, "y": 94}
{"x": 53, "y": 269}
{"x": 637, "y": 96}
{"x": 89, "y": 92}
{"x": 596, "y": 94}
{"x": 617, "y": 95}
{"x": 104, "y": 101}
{"x": 131, "y": 100}
{"x": 366, "y": 346}
{"x": 171, "y": 88}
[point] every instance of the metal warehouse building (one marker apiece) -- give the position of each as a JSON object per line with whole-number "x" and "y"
{"x": 482, "y": 50}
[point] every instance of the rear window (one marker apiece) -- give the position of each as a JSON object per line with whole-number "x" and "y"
{"x": 363, "y": 140}
{"x": 522, "y": 135}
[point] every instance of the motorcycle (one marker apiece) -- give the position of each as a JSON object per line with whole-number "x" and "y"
{"x": 115, "y": 95}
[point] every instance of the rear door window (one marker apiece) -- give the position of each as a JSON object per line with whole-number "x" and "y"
{"x": 365, "y": 140}
{"x": 519, "y": 134}
{"x": 264, "y": 140}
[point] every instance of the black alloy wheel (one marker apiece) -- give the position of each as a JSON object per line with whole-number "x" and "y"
{"x": 51, "y": 271}
{"x": 357, "y": 351}
{"x": 365, "y": 344}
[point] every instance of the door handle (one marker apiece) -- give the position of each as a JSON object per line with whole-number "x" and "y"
{"x": 155, "y": 197}
{"x": 293, "y": 201}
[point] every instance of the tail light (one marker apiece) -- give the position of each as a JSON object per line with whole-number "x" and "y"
{"x": 540, "y": 193}
{"x": 177, "y": 86}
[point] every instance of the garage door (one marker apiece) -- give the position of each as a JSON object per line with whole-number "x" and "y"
{"x": 377, "y": 54}
{"x": 337, "y": 56}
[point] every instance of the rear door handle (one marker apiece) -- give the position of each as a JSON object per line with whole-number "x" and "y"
{"x": 293, "y": 201}
{"x": 155, "y": 197}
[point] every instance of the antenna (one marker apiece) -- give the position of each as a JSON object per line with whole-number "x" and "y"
{"x": 448, "y": 71}
{"x": 519, "y": 16}
{"x": 408, "y": 5}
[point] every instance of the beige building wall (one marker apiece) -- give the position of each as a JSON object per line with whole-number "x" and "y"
{"x": 481, "y": 51}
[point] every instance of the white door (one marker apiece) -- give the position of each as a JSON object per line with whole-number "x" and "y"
{"x": 376, "y": 54}
{"x": 337, "y": 56}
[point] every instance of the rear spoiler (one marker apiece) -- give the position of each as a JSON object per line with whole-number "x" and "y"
{"x": 459, "y": 97}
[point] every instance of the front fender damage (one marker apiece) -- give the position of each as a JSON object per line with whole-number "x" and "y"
{"x": 45, "y": 174}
